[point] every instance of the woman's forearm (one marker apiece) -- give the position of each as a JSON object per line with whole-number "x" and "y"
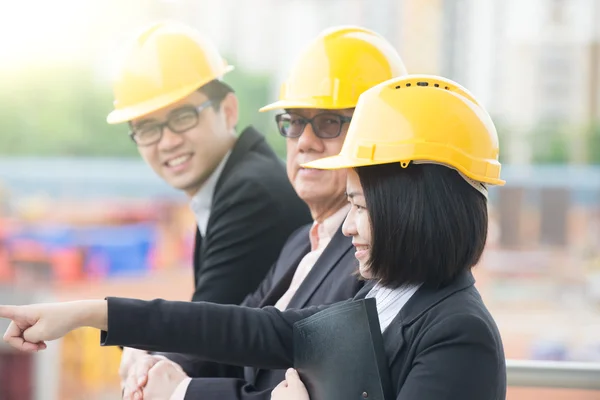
{"x": 37, "y": 323}
{"x": 227, "y": 334}
{"x": 92, "y": 313}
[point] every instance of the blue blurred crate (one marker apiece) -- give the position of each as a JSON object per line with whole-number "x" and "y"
{"x": 121, "y": 250}
{"x": 113, "y": 250}
{"x": 50, "y": 237}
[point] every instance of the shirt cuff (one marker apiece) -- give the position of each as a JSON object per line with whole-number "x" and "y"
{"x": 179, "y": 393}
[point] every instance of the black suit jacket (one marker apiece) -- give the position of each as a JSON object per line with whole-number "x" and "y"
{"x": 330, "y": 280}
{"x": 443, "y": 344}
{"x": 254, "y": 210}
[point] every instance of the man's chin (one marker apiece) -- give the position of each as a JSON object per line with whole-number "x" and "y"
{"x": 189, "y": 188}
{"x": 311, "y": 193}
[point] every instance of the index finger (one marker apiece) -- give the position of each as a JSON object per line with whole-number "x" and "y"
{"x": 7, "y": 312}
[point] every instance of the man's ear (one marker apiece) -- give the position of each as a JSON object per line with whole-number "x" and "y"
{"x": 229, "y": 108}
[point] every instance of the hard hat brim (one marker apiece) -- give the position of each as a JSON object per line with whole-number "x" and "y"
{"x": 283, "y": 104}
{"x": 149, "y": 106}
{"x": 343, "y": 162}
{"x": 118, "y": 116}
{"x": 336, "y": 162}
{"x": 291, "y": 104}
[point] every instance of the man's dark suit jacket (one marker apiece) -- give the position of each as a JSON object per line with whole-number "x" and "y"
{"x": 254, "y": 210}
{"x": 443, "y": 344}
{"x": 330, "y": 280}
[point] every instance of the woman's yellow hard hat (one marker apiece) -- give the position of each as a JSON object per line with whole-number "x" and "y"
{"x": 420, "y": 118}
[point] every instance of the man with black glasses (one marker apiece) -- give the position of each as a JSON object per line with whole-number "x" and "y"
{"x": 182, "y": 118}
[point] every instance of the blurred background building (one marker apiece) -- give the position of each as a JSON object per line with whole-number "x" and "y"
{"x": 82, "y": 216}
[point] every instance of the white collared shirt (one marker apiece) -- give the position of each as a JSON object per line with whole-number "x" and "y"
{"x": 390, "y": 301}
{"x": 201, "y": 202}
{"x": 201, "y": 205}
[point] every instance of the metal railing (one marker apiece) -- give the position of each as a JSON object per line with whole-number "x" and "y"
{"x": 553, "y": 374}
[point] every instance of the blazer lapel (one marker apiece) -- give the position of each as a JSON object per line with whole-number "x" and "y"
{"x": 327, "y": 262}
{"x": 284, "y": 280}
{"x": 423, "y": 300}
{"x": 335, "y": 250}
{"x": 393, "y": 339}
{"x": 279, "y": 288}
{"x": 249, "y": 138}
{"x": 364, "y": 291}
{"x": 198, "y": 250}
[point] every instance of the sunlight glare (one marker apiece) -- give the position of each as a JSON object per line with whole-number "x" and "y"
{"x": 40, "y": 31}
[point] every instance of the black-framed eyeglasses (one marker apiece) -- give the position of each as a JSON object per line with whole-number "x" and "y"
{"x": 324, "y": 125}
{"x": 179, "y": 121}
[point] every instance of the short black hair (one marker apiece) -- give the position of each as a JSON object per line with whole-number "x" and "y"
{"x": 216, "y": 91}
{"x": 427, "y": 223}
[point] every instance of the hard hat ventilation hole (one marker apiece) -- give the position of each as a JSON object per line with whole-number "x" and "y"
{"x": 423, "y": 84}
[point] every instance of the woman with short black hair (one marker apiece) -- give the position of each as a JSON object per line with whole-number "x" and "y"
{"x": 428, "y": 224}
{"x": 420, "y": 152}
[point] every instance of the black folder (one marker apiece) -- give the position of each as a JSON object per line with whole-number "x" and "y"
{"x": 339, "y": 353}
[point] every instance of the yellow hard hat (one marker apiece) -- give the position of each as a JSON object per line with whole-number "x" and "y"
{"x": 339, "y": 65}
{"x": 420, "y": 118}
{"x": 165, "y": 63}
